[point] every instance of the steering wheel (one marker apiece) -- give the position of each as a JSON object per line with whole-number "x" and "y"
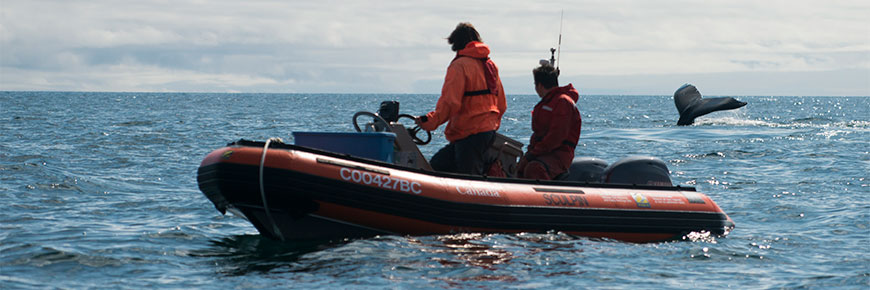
{"x": 413, "y": 131}
{"x": 377, "y": 120}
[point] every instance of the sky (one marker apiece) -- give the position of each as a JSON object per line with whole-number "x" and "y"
{"x": 614, "y": 47}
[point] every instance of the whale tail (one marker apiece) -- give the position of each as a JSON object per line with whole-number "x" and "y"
{"x": 691, "y": 105}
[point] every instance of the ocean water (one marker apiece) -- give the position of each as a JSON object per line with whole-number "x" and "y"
{"x": 98, "y": 190}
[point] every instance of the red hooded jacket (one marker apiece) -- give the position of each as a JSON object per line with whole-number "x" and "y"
{"x": 556, "y": 126}
{"x": 471, "y": 114}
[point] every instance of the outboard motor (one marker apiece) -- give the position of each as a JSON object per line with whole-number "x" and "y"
{"x": 389, "y": 111}
{"x": 640, "y": 170}
{"x": 586, "y": 169}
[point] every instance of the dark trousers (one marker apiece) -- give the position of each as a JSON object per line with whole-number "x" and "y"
{"x": 464, "y": 156}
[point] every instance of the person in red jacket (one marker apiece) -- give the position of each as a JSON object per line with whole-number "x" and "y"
{"x": 472, "y": 103}
{"x": 555, "y": 128}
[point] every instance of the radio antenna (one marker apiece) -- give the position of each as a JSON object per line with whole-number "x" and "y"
{"x": 554, "y": 58}
{"x": 559, "y": 56}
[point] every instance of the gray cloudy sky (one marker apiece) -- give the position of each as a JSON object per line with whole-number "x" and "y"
{"x": 735, "y": 47}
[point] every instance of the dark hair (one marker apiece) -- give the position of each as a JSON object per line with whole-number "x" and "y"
{"x": 462, "y": 35}
{"x": 546, "y": 75}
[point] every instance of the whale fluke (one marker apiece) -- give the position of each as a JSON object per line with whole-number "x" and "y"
{"x": 690, "y": 104}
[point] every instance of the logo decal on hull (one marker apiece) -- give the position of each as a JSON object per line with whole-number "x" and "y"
{"x": 640, "y": 200}
{"x": 227, "y": 154}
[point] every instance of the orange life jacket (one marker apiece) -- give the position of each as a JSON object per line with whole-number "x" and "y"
{"x": 472, "y": 98}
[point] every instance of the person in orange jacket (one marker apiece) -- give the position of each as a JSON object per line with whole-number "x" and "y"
{"x": 472, "y": 103}
{"x": 556, "y": 126}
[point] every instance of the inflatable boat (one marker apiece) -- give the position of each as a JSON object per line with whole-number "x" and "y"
{"x": 331, "y": 186}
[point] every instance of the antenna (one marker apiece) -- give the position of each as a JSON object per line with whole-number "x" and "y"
{"x": 559, "y": 56}
{"x": 554, "y": 58}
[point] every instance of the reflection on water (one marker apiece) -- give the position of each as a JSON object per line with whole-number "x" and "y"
{"x": 466, "y": 248}
{"x": 493, "y": 254}
{"x": 242, "y": 254}
{"x": 460, "y": 257}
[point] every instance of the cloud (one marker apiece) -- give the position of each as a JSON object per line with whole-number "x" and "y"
{"x": 398, "y": 46}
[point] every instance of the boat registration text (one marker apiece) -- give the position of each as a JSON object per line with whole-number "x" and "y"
{"x": 381, "y": 181}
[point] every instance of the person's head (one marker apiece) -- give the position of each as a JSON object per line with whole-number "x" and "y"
{"x": 462, "y": 35}
{"x": 546, "y": 78}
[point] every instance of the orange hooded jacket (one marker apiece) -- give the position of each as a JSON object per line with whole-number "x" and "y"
{"x": 468, "y": 115}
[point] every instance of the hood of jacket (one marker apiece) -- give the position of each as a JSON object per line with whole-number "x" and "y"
{"x": 568, "y": 90}
{"x": 474, "y": 49}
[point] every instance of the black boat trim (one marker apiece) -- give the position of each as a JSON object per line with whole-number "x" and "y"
{"x": 559, "y": 190}
{"x": 352, "y": 224}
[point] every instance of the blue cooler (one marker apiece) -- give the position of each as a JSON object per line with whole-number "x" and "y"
{"x": 372, "y": 145}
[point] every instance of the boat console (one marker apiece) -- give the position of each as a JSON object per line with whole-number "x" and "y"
{"x": 504, "y": 150}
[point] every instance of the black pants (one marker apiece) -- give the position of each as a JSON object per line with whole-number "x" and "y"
{"x": 464, "y": 156}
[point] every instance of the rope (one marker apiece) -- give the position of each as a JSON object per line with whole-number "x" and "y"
{"x": 263, "y": 191}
